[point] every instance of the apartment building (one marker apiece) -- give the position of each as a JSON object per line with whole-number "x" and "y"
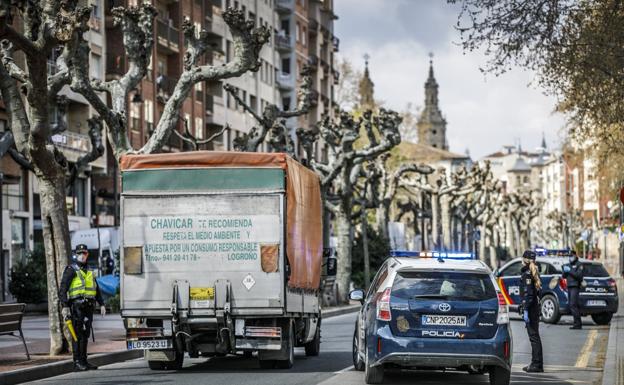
{"x": 305, "y": 36}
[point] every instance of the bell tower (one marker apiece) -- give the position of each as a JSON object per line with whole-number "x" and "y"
{"x": 431, "y": 124}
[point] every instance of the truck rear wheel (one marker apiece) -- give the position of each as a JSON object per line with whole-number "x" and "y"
{"x": 313, "y": 347}
{"x": 289, "y": 349}
{"x": 176, "y": 364}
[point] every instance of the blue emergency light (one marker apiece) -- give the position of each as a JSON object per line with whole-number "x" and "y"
{"x": 440, "y": 255}
{"x": 553, "y": 252}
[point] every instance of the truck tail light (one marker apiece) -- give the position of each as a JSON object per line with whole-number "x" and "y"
{"x": 383, "y": 306}
{"x": 503, "y": 310}
{"x": 563, "y": 283}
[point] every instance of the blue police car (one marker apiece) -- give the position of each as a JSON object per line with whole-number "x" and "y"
{"x": 598, "y": 296}
{"x": 433, "y": 310}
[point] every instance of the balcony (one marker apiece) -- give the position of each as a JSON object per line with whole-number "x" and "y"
{"x": 285, "y": 81}
{"x": 284, "y": 7}
{"x": 335, "y": 43}
{"x": 313, "y": 61}
{"x": 74, "y": 145}
{"x": 283, "y": 43}
{"x": 95, "y": 23}
{"x": 168, "y": 36}
{"x": 336, "y": 77}
{"x": 314, "y": 96}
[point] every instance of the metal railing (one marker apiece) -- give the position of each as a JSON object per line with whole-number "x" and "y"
{"x": 283, "y": 42}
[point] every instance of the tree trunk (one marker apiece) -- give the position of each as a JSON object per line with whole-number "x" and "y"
{"x": 382, "y": 218}
{"x": 57, "y": 249}
{"x": 435, "y": 230}
{"x": 445, "y": 214}
{"x": 344, "y": 235}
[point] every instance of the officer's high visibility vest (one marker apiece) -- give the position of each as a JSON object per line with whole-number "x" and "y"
{"x": 83, "y": 285}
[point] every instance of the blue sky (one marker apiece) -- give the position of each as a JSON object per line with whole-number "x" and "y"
{"x": 483, "y": 112}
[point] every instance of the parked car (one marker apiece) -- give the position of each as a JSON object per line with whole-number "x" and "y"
{"x": 436, "y": 311}
{"x": 598, "y": 296}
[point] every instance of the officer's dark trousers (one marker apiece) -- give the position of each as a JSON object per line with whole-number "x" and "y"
{"x": 533, "y": 330}
{"x": 82, "y": 316}
{"x": 573, "y": 298}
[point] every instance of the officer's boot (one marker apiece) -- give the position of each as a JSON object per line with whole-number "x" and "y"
{"x": 79, "y": 366}
{"x": 83, "y": 352}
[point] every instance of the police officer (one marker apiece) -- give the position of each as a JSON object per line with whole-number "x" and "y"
{"x": 530, "y": 309}
{"x": 573, "y": 273}
{"x": 78, "y": 294}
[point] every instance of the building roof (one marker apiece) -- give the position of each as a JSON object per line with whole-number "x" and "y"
{"x": 422, "y": 153}
{"x": 520, "y": 166}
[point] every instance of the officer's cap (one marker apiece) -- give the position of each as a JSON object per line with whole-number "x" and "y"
{"x": 529, "y": 254}
{"x": 81, "y": 248}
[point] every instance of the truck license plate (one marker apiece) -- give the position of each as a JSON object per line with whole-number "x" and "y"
{"x": 149, "y": 344}
{"x": 444, "y": 320}
{"x": 596, "y": 302}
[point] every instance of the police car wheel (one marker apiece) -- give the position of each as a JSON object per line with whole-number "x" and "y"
{"x": 550, "y": 310}
{"x": 602, "y": 318}
{"x": 499, "y": 376}
{"x": 373, "y": 374}
{"x": 358, "y": 363}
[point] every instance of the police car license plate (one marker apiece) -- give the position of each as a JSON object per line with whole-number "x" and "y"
{"x": 444, "y": 320}
{"x": 596, "y": 302}
{"x": 150, "y": 344}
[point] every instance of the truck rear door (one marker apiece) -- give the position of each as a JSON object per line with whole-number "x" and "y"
{"x": 201, "y": 238}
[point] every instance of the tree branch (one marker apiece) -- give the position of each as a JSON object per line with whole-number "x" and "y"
{"x": 97, "y": 149}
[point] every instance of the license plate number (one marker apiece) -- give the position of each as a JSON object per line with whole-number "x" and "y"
{"x": 595, "y": 302}
{"x": 444, "y": 320}
{"x": 149, "y": 344}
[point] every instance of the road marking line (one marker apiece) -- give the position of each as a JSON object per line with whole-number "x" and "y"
{"x": 583, "y": 358}
{"x": 345, "y": 370}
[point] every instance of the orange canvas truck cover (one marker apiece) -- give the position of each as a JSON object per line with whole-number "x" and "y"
{"x": 304, "y": 239}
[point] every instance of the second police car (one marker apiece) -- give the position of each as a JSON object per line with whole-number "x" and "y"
{"x": 598, "y": 296}
{"x": 435, "y": 311}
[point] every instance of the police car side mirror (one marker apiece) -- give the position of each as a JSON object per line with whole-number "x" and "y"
{"x": 357, "y": 295}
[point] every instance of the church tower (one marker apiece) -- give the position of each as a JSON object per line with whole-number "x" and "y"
{"x": 431, "y": 124}
{"x": 366, "y": 89}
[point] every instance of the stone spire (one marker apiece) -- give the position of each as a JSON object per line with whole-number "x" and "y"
{"x": 431, "y": 124}
{"x": 366, "y": 88}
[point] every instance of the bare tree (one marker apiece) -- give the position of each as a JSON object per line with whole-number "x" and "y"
{"x": 28, "y": 93}
{"x": 339, "y": 176}
{"x": 272, "y": 121}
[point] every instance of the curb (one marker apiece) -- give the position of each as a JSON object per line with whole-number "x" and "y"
{"x": 613, "y": 373}
{"x": 328, "y": 313}
{"x": 63, "y": 367}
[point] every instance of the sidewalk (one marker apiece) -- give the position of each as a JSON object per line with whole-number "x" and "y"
{"x": 109, "y": 337}
{"x": 613, "y": 372}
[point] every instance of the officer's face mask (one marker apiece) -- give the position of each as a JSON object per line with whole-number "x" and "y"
{"x": 81, "y": 258}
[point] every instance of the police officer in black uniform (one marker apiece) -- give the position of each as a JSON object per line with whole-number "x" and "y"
{"x": 78, "y": 294}
{"x": 530, "y": 309}
{"x": 573, "y": 273}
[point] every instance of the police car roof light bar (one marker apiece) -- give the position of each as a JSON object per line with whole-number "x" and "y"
{"x": 440, "y": 255}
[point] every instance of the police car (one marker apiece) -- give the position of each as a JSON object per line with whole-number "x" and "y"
{"x": 433, "y": 310}
{"x": 598, "y": 297}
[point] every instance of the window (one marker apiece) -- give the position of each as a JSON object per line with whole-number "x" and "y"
{"x": 512, "y": 270}
{"x": 443, "y": 285}
{"x": 148, "y": 114}
{"x": 199, "y": 128}
{"x": 377, "y": 281}
{"x": 228, "y": 51}
{"x": 13, "y": 194}
{"x": 135, "y": 116}
{"x": 286, "y": 103}
{"x": 286, "y": 65}
{"x": 76, "y": 198}
{"x": 303, "y": 36}
{"x": 96, "y": 66}
{"x": 253, "y": 103}
{"x": 298, "y": 32}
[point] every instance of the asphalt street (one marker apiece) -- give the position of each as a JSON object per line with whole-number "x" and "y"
{"x": 571, "y": 357}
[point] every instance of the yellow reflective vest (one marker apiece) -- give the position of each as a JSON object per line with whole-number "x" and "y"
{"x": 82, "y": 286}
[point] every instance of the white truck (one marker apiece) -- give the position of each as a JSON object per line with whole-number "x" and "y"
{"x": 221, "y": 254}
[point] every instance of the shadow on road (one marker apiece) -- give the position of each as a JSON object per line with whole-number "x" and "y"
{"x": 327, "y": 362}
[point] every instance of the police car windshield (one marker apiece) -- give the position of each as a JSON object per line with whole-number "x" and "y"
{"x": 443, "y": 285}
{"x": 594, "y": 270}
